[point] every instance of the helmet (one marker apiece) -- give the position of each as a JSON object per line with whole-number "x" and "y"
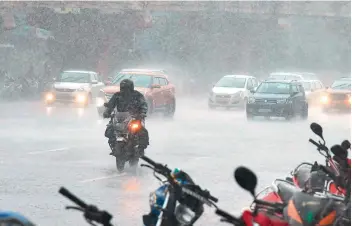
{"x": 126, "y": 86}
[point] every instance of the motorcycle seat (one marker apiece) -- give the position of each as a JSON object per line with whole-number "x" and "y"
{"x": 286, "y": 190}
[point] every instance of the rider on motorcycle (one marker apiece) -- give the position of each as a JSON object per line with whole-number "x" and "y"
{"x": 132, "y": 101}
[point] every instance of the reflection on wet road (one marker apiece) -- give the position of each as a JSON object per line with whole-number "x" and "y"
{"x": 42, "y": 149}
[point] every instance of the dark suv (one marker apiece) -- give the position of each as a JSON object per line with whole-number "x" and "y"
{"x": 278, "y": 98}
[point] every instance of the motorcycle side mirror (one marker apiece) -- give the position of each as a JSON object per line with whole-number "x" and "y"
{"x": 246, "y": 179}
{"x": 317, "y": 129}
{"x": 338, "y": 151}
{"x": 346, "y": 145}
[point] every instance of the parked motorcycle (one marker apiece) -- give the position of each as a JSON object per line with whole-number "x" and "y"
{"x": 125, "y": 147}
{"x": 337, "y": 163}
{"x": 91, "y": 213}
{"x": 302, "y": 209}
{"x": 178, "y": 201}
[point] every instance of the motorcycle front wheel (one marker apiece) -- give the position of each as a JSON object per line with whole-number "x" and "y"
{"x": 120, "y": 160}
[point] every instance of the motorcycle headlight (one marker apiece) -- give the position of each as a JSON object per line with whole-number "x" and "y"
{"x": 152, "y": 199}
{"x": 251, "y": 100}
{"x": 184, "y": 215}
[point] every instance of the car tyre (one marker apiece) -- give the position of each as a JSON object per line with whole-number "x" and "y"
{"x": 249, "y": 116}
{"x": 210, "y": 106}
{"x": 304, "y": 113}
{"x": 170, "y": 109}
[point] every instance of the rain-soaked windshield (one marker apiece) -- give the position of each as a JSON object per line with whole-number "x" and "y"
{"x": 341, "y": 84}
{"x": 75, "y": 77}
{"x": 139, "y": 80}
{"x": 232, "y": 82}
{"x": 273, "y": 88}
{"x": 307, "y": 86}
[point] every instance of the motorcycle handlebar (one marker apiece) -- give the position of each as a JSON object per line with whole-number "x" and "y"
{"x": 157, "y": 166}
{"x": 227, "y": 216}
{"x": 319, "y": 146}
{"x": 63, "y": 191}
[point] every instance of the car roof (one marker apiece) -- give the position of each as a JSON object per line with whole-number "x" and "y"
{"x": 142, "y": 70}
{"x": 286, "y": 73}
{"x": 78, "y": 71}
{"x": 281, "y": 81}
{"x": 151, "y": 72}
{"x": 238, "y": 76}
{"x": 309, "y": 80}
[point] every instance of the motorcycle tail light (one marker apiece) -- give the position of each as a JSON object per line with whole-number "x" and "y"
{"x": 134, "y": 126}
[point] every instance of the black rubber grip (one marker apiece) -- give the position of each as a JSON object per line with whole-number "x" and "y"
{"x": 226, "y": 215}
{"x": 148, "y": 160}
{"x": 63, "y": 191}
{"x": 313, "y": 142}
{"x": 212, "y": 198}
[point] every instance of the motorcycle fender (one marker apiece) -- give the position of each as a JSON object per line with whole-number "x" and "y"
{"x": 160, "y": 218}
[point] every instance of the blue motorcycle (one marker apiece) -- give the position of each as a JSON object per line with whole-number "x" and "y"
{"x": 178, "y": 201}
{"x": 14, "y": 219}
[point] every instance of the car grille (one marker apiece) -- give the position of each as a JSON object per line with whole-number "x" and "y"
{"x": 223, "y": 96}
{"x": 265, "y": 101}
{"x": 338, "y": 96}
{"x": 65, "y": 90}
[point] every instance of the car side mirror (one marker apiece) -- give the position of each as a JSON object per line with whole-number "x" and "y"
{"x": 294, "y": 94}
{"x": 156, "y": 86}
{"x": 107, "y": 82}
{"x": 94, "y": 82}
{"x": 252, "y": 90}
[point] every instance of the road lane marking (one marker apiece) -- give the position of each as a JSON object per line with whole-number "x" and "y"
{"x": 102, "y": 178}
{"x": 47, "y": 151}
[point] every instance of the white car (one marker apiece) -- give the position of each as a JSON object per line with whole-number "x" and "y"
{"x": 314, "y": 89}
{"x": 232, "y": 91}
{"x": 79, "y": 87}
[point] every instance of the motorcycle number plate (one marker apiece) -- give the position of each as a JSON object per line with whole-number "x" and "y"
{"x": 264, "y": 110}
{"x": 120, "y": 139}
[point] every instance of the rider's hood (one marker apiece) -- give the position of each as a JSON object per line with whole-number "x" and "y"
{"x": 114, "y": 89}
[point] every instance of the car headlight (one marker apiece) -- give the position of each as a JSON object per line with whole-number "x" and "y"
{"x": 251, "y": 100}
{"x": 152, "y": 199}
{"x": 184, "y": 215}
{"x": 49, "y": 97}
{"x": 349, "y": 98}
{"x": 324, "y": 99}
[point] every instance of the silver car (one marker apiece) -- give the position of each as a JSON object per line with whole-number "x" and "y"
{"x": 79, "y": 87}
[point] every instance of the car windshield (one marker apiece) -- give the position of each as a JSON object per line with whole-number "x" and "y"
{"x": 307, "y": 86}
{"x": 274, "y": 88}
{"x": 341, "y": 84}
{"x": 232, "y": 82}
{"x": 139, "y": 80}
{"x": 284, "y": 77}
{"x": 76, "y": 77}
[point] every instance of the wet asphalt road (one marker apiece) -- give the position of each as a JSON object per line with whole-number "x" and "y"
{"x": 41, "y": 151}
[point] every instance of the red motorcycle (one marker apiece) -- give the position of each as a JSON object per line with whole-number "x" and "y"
{"x": 339, "y": 165}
